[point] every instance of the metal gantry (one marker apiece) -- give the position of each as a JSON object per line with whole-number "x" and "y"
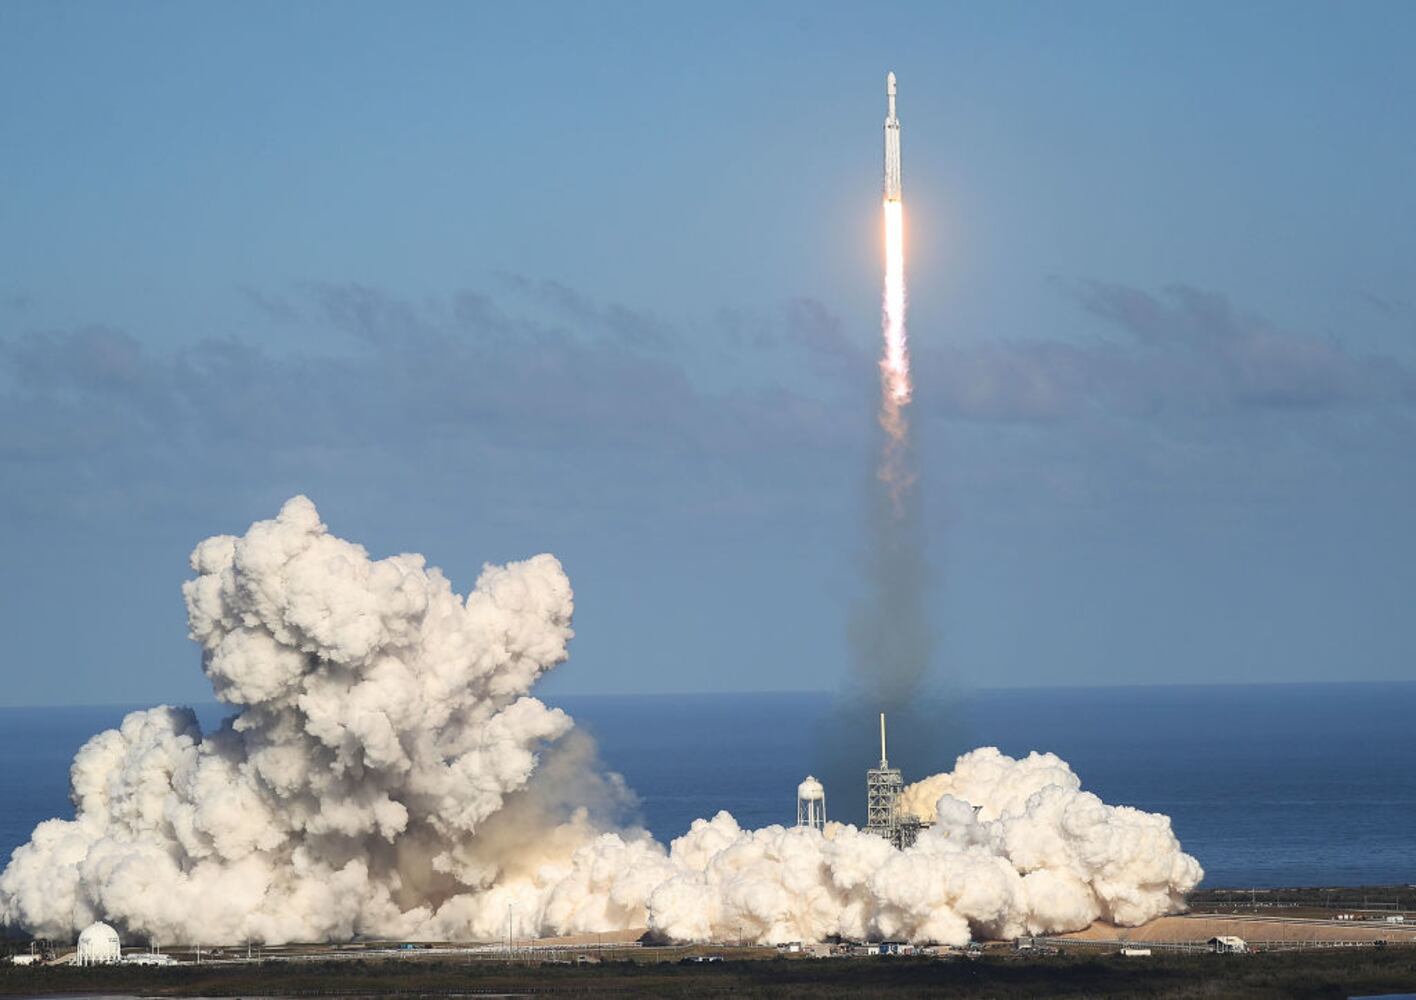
{"x": 883, "y": 786}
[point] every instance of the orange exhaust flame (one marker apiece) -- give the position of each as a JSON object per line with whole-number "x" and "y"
{"x": 895, "y": 388}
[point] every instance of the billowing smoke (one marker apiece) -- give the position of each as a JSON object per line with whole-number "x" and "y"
{"x": 387, "y": 773}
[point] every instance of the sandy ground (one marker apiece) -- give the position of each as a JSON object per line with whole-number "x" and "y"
{"x": 1186, "y": 928}
{"x": 608, "y": 938}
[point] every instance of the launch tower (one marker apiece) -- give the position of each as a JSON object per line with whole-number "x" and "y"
{"x": 883, "y": 785}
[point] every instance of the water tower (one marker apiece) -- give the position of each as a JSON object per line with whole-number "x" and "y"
{"x": 811, "y": 804}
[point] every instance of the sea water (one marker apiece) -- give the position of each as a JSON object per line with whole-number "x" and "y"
{"x": 1275, "y": 785}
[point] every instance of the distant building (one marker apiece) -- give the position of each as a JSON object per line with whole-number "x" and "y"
{"x": 99, "y": 945}
{"x": 1228, "y": 945}
{"x": 149, "y": 958}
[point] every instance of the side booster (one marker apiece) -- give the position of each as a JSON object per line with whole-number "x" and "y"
{"x": 892, "y": 143}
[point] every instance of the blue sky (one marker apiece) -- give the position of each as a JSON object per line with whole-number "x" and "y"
{"x": 603, "y": 280}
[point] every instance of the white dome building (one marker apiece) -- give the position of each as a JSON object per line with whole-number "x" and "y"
{"x": 99, "y": 945}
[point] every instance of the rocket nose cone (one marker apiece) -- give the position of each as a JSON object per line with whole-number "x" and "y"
{"x": 890, "y": 81}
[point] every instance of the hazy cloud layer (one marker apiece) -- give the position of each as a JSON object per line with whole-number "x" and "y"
{"x": 98, "y": 403}
{"x": 543, "y": 368}
{"x": 1169, "y": 452}
{"x": 1183, "y": 351}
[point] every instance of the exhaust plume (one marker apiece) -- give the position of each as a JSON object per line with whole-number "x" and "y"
{"x": 895, "y": 388}
{"x": 387, "y": 773}
{"x": 890, "y": 636}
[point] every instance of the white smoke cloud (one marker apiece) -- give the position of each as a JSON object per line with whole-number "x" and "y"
{"x": 386, "y": 773}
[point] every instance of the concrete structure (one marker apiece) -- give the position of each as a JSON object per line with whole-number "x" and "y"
{"x": 811, "y": 804}
{"x": 99, "y": 945}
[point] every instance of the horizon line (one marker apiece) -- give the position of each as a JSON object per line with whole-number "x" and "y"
{"x": 953, "y": 690}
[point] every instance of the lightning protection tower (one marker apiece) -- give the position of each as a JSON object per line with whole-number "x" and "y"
{"x": 811, "y": 804}
{"x": 883, "y": 786}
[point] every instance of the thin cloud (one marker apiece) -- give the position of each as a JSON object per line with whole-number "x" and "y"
{"x": 517, "y": 375}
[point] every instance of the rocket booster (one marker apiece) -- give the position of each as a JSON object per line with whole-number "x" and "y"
{"x": 892, "y": 144}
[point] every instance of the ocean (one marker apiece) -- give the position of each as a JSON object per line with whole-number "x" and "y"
{"x": 1276, "y": 785}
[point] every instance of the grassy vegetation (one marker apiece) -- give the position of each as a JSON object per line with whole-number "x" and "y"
{"x": 1318, "y": 976}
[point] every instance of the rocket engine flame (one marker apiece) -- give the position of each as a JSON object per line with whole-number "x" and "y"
{"x": 895, "y": 364}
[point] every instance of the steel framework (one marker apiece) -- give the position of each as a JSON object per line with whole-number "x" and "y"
{"x": 883, "y": 785}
